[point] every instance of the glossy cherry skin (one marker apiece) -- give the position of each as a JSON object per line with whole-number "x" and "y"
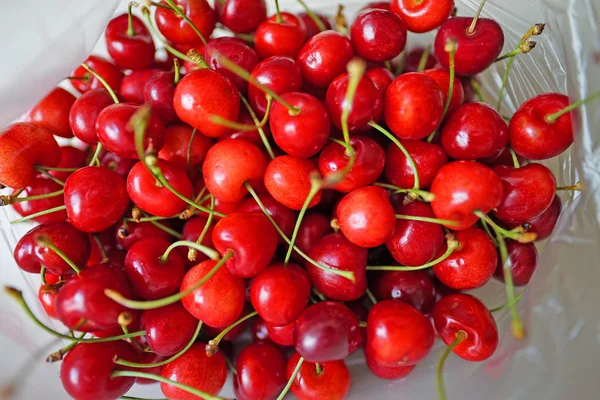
{"x": 96, "y": 198}
{"x": 133, "y": 52}
{"x": 413, "y": 59}
{"x": 324, "y": 57}
{"x": 337, "y": 252}
{"x": 422, "y": 15}
{"x": 476, "y": 51}
{"x": 413, "y": 106}
{"x": 398, "y": 334}
{"x": 258, "y": 330}
{"x": 275, "y": 39}
{"x": 282, "y": 335}
{"x": 378, "y": 35}
{"x": 463, "y": 312}
{"x": 106, "y": 69}
{"x": 228, "y": 165}
{"x": 241, "y": 16}
{"x": 159, "y": 201}
{"x": 474, "y": 131}
{"x": 71, "y": 157}
{"x": 132, "y": 85}
{"x": 314, "y": 226}
{"x": 86, "y": 370}
{"x": 327, "y": 331}
{"x": 158, "y": 91}
{"x": 202, "y": 93}
{"x": 37, "y": 187}
{"x": 387, "y": 372}
{"x": 381, "y": 77}
{"x": 544, "y": 224}
{"x": 287, "y": 179}
{"x": 52, "y": 112}
{"x": 117, "y": 135}
{"x": 280, "y": 74}
{"x": 63, "y": 235}
{"x": 366, "y": 106}
{"x": 46, "y": 298}
{"x": 311, "y": 28}
{"x": 84, "y": 113}
{"x": 523, "y": 259}
{"x": 532, "y": 136}
{"x": 333, "y": 383}
{"x": 415, "y": 243}
{"x": 235, "y": 50}
{"x": 412, "y": 287}
{"x": 219, "y": 301}
{"x": 168, "y": 329}
{"x": 442, "y": 78}
{"x": 177, "y": 30}
{"x": 301, "y": 135}
{"x": 366, "y": 216}
{"x": 528, "y": 192}
{"x": 121, "y": 166}
{"x": 428, "y": 157}
{"x": 251, "y": 237}
{"x": 22, "y": 146}
{"x": 194, "y": 368}
{"x": 461, "y": 187}
{"x": 175, "y": 150}
{"x": 284, "y": 217}
{"x": 192, "y": 230}
{"x": 24, "y": 255}
{"x": 260, "y": 372}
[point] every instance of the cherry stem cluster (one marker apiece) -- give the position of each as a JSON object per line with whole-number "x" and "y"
{"x": 517, "y": 234}
{"x": 49, "y": 176}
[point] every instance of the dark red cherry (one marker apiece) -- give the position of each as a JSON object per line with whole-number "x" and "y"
{"x": 422, "y": 15}
{"x": 527, "y": 192}
{"x": 475, "y": 51}
{"x": 287, "y": 179}
{"x": 327, "y": 331}
{"x": 282, "y": 335}
{"x": 378, "y": 35}
{"x": 324, "y": 57}
{"x": 387, "y": 372}
{"x": 412, "y": 287}
{"x": 106, "y": 69}
{"x": 463, "y": 312}
{"x": 41, "y": 186}
{"x": 332, "y": 383}
{"x": 378, "y": 5}
{"x": 260, "y": 372}
{"x": 273, "y": 38}
{"x": 337, "y": 252}
{"x": 241, "y": 16}
{"x": 382, "y": 78}
{"x": 366, "y": 106}
{"x": 544, "y": 224}
{"x": 428, "y": 157}
{"x": 71, "y": 157}
{"x": 284, "y": 217}
{"x": 252, "y": 136}
{"x": 258, "y": 330}
{"x": 129, "y": 50}
{"x": 177, "y": 30}
{"x": 280, "y": 74}
{"x": 193, "y": 229}
{"x": 168, "y": 329}
{"x": 442, "y": 78}
{"x": 398, "y": 334}
{"x": 462, "y": 187}
{"x": 413, "y": 59}
{"x": 235, "y": 50}
{"x": 24, "y": 255}
{"x": 121, "y": 166}
{"x": 52, "y": 112}
{"x": 177, "y": 141}
{"x": 523, "y": 260}
{"x": 311, "y": 27}
{"x": 313, "y": 227}
{"x": 533, "y": 136}
{"x": 84, "y": 113}
{"x": 86, "y": 370}
{"x": 159, "y": 91}
{"x": 132, "y": 85}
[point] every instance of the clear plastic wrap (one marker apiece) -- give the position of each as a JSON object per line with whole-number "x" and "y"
{"x": 558, "y": 358}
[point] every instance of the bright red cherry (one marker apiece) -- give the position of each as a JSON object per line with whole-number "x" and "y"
{"x": 46, "y": 298}
{"x": 96, "y": 198}
{"x": 324, "y": 57}
{"x": 40, "y": 186}
{"x": 129, "y": 50}
{"x": 387, "y": 372}
{"x": 177, "y": 141}
{"x": 332, "y": 383}
{"x": 235, "y": 50}
{"x": 287, "y": 179}
{"x": 378, "y": 35}
{"x": 132, "y": 85}
{"x": 168, "y": 329}
{"x": 366, "y": 106}
{"x": 311, "y": 27}
{"x": 442, "y": 78}
{"x": 398, "y": 334}
{"x": 274, "y": 38}
{"x": 52, "y": 112}
{"x": 428, "y": 158}
{"x": 381, "y": 77}
{"x": 260, "y": 372}
{"x": 422, "y": 15}
{"x": 533, "y": 136}
{"x": 413, "y": 106}
{"x": 284, "y": 217}
{"x": 84, "y": 113}
{"x": 25, "y": 257}
{"x": 241, "y": 16}
{"x": 282, "y": 335}
{"x": 462, "y": 187}
{"x": 107, "y": 70}
{"x": 463, "y": 312}
{"x": 523, "y": 260}
{"x": 177, "y": 30}
{"x": 158, "y": 91}
{"x": 412, "y": 287}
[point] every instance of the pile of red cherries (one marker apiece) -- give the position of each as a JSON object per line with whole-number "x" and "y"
{"x": 305, "y": 180}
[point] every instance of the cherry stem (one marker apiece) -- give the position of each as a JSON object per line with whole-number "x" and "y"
{"x": 210, "y": 253}
{"x": 356, "y": 69}
{"x": 179, "y": 12}
{"x": 130, "y": 30}
{"x": 514, "y": 157}
{"x": 177, "y": 71}
{"x": 135, "y": 343}
{"x": 477, "y": 89}
{"x": 460, "y": 336}
{"x": 102, "y": 81}
{"x": 166, "y": 229}
{"x": 576, "y": 187}
{"x": 427, "y": 196}
{"x": 507, "y": 305}
{"x": 39, "y": 214}
{"x": 518, "y": 235}
{"x": 426, "y": 219}
{"x": 246, "y": 37}
{"x": 553, "y": 117}
{"x": 346, "y": 274}
{"x": 213, "y": 345}
{"x": 165, "y": 301}
{"x": 168, "y": 47}
{"x": 48, "y": 175}
{"x": 159, "y": 5}
{"x": 60, "y": 353}
{"x": 147, "y": 219}
{"x": 315, "y": 18}
{"x": 242, "y": 73}
{"x": 58, "y": 169}
{"x": 371, "y": 296}
{"x": 231, "y": 124}
{"x": 362, "y": 324}
{"x": 188, "y": 153}
{"x": 423, "y": 59}
{"x": 101, "y": 248}
{"x": 158, "y": 378}
{"x": 278, "y": 12}
{"x": 95, "y": 157}
{"x": 336, "y": 177}
{"x": 401, "y": 61}
{"x": 318, "y": 369}
{"x": 197, "y": 59}
{"x": 341, "y": 24}
{"x": 17, "y": 295}
{"x": 139, "y": 398}
{"x": 43, "y": 275}
{"x": 489, "y": 233}
{"x": 174, "y": 357}
{"x": 45, "y": 241}
{"x": 387, "y": 65}
{"x": 471, "y": 29}
{"x": 259, "y": 124}
{"x": 449, "y": 48}
{"x": 393, "y": 138}
{"x": 12, "y": 199}
{"x": 315, "y": 186}
{"x": 291, "y": 380}
{"x": 193, "y": 253}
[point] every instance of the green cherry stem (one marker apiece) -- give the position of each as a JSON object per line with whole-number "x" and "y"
{"x": 278, "y": 12}
{"x": 12, "y": 199}
{"x": 60, "y": 353}
{"x": 95, "y": 161}
{"x": 159, "y": 5}
{"x": 518, "y": 235}
{"x": 423, "y": 60}
{"x": 188, "y": 153}
{"x": 318, "y": 369}
{"x": 192, "y": 252}
{"x": 460, "y": 336}
{"x": 130, "y": 30}
{"x": 507, "y": 305}
{"x": 259, "y": 124}
{"x": 179, "y": 12}
{"x": 471, "y": 28}
{"x": 210, "y": 253}
{"x": 576, "y": 187}
{"x": 177, "y": 72}
{"x": 102, "y": 81}
{"x": 553, "y": 117}
{"x": 168, "y": 47}
{"x": 514, "y": 157}
{"x": 213, "y": 345}
{"x": 477, "y": 89}
{"x": 139, "y": 398}
{"x": 231, "y": 124}
{"x": 426, "y": 196}
{"x": 166, "y": 229}
{"x": 449, "y": 48}
{"x": 45, "y": 241}
{"x": 101, "y": 248}
{"x": 158, "y": 378}
{"x": 371, "y": 296}
{"x": 148, "y": 219}
{"x": 426, "y": 219}
{"x": 58, "y": 169}
{"x": 291, "y": 380}
{"x": 313, "y": 16}
{"x": 356, "y": 69}
{"x": 38, "y": 214}
{"x": 487, "y": 230}
{"x": 197, "y": 59}
{"x": 48, "y": 175}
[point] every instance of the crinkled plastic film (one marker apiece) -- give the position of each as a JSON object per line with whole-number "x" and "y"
{"x": 559, "y": 358}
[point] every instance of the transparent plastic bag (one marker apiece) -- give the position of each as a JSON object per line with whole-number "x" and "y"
{"x": 558, "y": 358}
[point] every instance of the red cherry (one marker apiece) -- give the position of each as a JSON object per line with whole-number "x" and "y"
{"x": 304, "y": 134}
{"x": 86, "y": 370}
{"x": 378, "y": 35}
{"x": 115, "y": 257}
{"x": 284, "y": 217}
{"x": 413, "y": 59}
{"x": 107, "y": 70}
{"x": 258, "y": 330}
{"x": 463, "y": 312}
{"x": 534, "y": 137}
{"x": 40, "y": 186}
{"x": 366, "y": 216}
{"x": 280, "y": 74}
{"x": 475, "y": 51}
{"x": 413, "y": 106}
{"x": 219, "y": 301}
{"x": 282, "y": 335}
{"x": 523, "y": 260}
{"x": 177, "y": 141}
{"x": 194, "y": 368}
{"x": 159, "y": 91}
{"x": 117, "y": 135}
{"x": 412, "y": 287}
{"x": 379, "y": 5}
{"x": 311, "y": 27}
{"x": 544, "y": 224}
{"x": 387, "y": 372}
{"x": 422, "y": 15}
{"x": 129, "y": 51}
{"x": 235, "y": 50}
{"x": 462, "y": 187}
{"x": 168, "y": 329}
{"x": 428, "y": 158}
{"x": 260, "y": 372}
{"x": 24, "y": 255}
{"x": 252, "y": 136}
{"x": 131, "y": 233}
{"x": 52, "y": 112}
{"x": 177, "y": 30}
{"x": 313, "y": 227}
{"x": 71, "y": 157}
{"x": 149, "y": 358}
{"x": 132, "y": 85}
{"x": 96, "y": 198}
{"x": 335, "y": 251}
{"x": 191, "y": 232}
{"x": 46, "y": 299}
{"x": 287, "y": 179}
{"x": 121, "y": 166}
{"x": 442, "y": 78}
{"x": 327, "y": 331}
{"x": 84, "y": 113}
{"x": 398, "y": 334}
{"x": 273, "y": 38}
{"x": 228, "y": 165}
{"x": 241, "y": 16}
{"x": 203, "y": 93}
{"x": 505, "y": 158}
{"x": 324, "y": 57}
{"x": 381, "y": 77}
{"x": 333, "y": 383}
